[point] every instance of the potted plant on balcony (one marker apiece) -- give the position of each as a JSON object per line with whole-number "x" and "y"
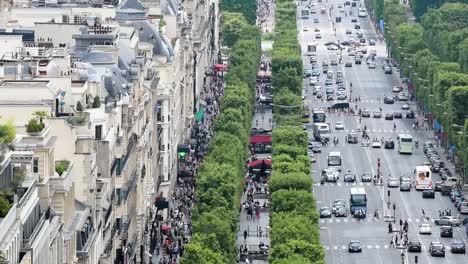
{"x": 61, "y": 166}
{"x": 36, "y": 124}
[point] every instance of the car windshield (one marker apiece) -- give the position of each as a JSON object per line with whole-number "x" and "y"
{"x": 334, "y": 160}
{"x": 358, "y": 199}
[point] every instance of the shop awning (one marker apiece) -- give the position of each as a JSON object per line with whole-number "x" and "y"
{"x": 200, "y": 114}
{"x": 220, "y": 67}
{"x": 260, "y": 139}
{"x": 257, "y": 163}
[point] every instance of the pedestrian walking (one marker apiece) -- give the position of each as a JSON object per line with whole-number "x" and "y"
{"x": 392, "y": 244}
{"x": 245, "y": 234}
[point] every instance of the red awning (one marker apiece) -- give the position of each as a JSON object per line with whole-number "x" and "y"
{"x": 260, "y": 139}
{"x": 220, "y": 67}
{"x": 256, "y": 163}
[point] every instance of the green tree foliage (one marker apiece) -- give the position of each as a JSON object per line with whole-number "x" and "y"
{"x": 420, "y": 7}
{"x": 246, "y": 7}
{"x": 34, "y": 126}
{"x": 290, "y": 136}
{"x": 5, "y": 206}
{"x": 295, "y": 201}
{"x": 457, "y": 109}
{"x": 287, "y": 226}
{"x": 7, "y": 132}
{"x": 290, "y": 181}
{"x": 310, "y": 251}
{"x": 231, "y": 26}
{"x": 196, "y": 253}
{"x": 290, "y": 150}
{"x": 377, "y": 6}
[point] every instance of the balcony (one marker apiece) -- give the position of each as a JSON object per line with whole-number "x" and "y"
{"x": 62, "y": 182}
{"x": 131, "y": 184}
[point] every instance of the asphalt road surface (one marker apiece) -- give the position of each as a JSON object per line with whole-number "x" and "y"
{"x": 369, "y": 85}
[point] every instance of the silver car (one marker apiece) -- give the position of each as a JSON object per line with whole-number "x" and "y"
{"x": 448, "y": 221}
{"x": 392, "y": 182}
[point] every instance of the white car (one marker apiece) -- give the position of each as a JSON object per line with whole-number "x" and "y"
{"x": 339, "y": 125}
{"x": 305, "y": 28}
{"x": 317, "y": 29}
{"x": 332, "y": 47}
{"x": 313, "y": 80}
{"x": 318, "y": 36}
{"x": 376, "y": 144}
{"x": 425, "y": 229}
{"x": 405, "y": 107}
{"x": 392, "y": 182}
{"x": 396, "y": 89}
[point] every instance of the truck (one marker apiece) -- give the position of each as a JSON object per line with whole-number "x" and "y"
{"x": 321, "y": 131}
{"x": 448, "y": 185}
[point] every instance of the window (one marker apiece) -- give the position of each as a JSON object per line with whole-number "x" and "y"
{"x": 98, "y": 132}
{"x": 36, "y": 165}
{"x": 65, "y": 19}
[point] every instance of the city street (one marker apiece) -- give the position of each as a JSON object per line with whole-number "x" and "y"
{"x": 371, "y": 86}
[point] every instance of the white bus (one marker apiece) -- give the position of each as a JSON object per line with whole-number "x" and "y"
{"x": 357, "y": 199}
{"x": 423, "y": 177}
{"x": 334, "y": 160}
{"x": 362, "y": 12}
{"x": 311, "y": 49}
{"x": 405, "y": 144}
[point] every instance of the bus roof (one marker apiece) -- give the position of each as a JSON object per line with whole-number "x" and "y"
{"x": 334, "y": 153}
{"x": 358, "y": 190}
{"x": 423, "y": 168}
{"x": 405, "y": 136}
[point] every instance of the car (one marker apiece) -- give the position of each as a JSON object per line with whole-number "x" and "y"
{"x": 405, "y": 186}
{"x": 339, "y": 80}
{"x": 332, "y": 47}
{"x": 315, "y": 147}
{"x": 319, "y": 94}
{"x": 437, "y": 249}
{"x": 325, "y": 212}
{"x": 388, "y": 116}
{"x": 341, "y": 96}
{"x": 316, "y": 29}
{"x": 448, "y": 220}
{"x": 341, "y": 212}
{"x": 313, "y": 59}
{"x": 329, "y": 90}
{"x": 409, "y": 114}
{"x": 377, "y": 114}
{"x": 349, "y": 64}
{"x": 392, "y": 182}
{"x": 371, "y": 65}
{"x": 339, "y": 125}
{"x": 438, "y": 186}
{"x": 389, "y": 144}
{"x": 333, "y": 62}
{"x": 316, "y": 20}
{"x": 357, "y": 61}
{"x": 425, "y": 229}
{"x": 465, "y": 221}
{"x": 330, "y": 175}
{"x": 337, "y": 203}
{"x": 371, "y": 42}
{"x": 349, "y": 31}
{"x": 458, "y": 247}
{"x": 414, "y": 246}
{"x": 354, "y": 20}
{"x": 402, "y": 97}
{"x": 396, "y": 89}
{"x": 305, "y": 28}
{"x": 318, "y": 36}
{"x": 352, "y": 138}
{"x": 428, "y": 193}
{"x": 388, "y": 100}
{"x": 354, "y": 246}
{"x": 405, "y": 106}
{"x": 398, "y": 115}
{"x": 366, "y": 177}
{"x": 357, "y": 26}
{"x": 316, "y": 72}
{"x": 446, "y": 231}
{"x": 365, "y": 113}
{"x": 388, "y": 70}
{"x": 307, "y": 73}
{"x": 362, "y": 40}
{"x": 349, "y": 177}
{"x": 376, "y": 144}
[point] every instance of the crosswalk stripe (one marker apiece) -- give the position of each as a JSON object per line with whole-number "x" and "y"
{"x": 343, "y": 247}
{"x": 417, "y": 220}
{"x": 409, "y": 220}
{"x": 377, "y": 246}
{"x": 337, "y": 220}
{"x": 330, "y": 220}
{"x": 335, "y": 247}
{"x": 385, "y": 246}
{"x": 369, "y": 246}
{"x": 345, "y": 220}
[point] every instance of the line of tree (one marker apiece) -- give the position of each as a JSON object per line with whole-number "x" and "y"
{"x": 294, "y": 232}
{"x": 219, "y": 178}
{"x": 434, "y": 55}
{"x": 377, "y": 6}
{"x": 420, "y": 7}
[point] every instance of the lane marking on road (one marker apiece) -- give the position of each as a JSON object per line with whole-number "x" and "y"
{"x": 343, "y": 247}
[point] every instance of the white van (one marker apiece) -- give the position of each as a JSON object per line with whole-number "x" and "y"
{"x": 464, "y": 208}
{"x": 334, "y": 160}
{"x": 330, "y": 74}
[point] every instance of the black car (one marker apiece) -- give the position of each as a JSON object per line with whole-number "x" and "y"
{"x": 355, "y": 246}
{"x": 465, "y": 221}
{"x": 325, "y": 212}
{"x": 446, "y": 231}
{"x": 388, "y": 117}
{"x": 397, "y": 115}
{"x": 410, "y": 114}
{"x": 414, "y": 246}
{"x": 388, "y": 100}
{"x": 387, "y": 70}
{"x": 349, "y": 177}
{"x": 352, "y": 138}
{"x": 428, "y": 193}
{"x": 437, "y": 249}
{"x": 357, "y": 61}
{"x": 389, "y": 144}
{"x": 458, "y": 247}
{"x": 366, "y": 177}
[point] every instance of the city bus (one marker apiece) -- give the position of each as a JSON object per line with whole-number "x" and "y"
{"x": 423, "y": 177}
{"x": 311, "y": 49}
{"x": 318, "y": 116}
{"x": 334, "y": 160}
{"x": 362, "y": 12}
{"x": 357, "y": 199}
{"x": 405, "y": 144}
{"x": 305, "y": 13}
